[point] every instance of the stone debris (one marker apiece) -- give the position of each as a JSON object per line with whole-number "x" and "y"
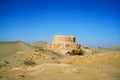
{"x": 64, "y": 44}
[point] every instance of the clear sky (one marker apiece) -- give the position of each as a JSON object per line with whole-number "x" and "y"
{"x": 93, "y": 22}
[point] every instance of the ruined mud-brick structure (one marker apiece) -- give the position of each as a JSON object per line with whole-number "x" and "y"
{"x": 64, "y": 44}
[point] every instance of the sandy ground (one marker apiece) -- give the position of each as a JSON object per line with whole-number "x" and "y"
{"x": 95, "y": 67}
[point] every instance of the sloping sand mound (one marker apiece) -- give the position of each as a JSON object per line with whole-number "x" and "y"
{"x": 8, "y": 48}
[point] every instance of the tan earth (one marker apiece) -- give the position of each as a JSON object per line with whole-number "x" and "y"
{"x": 104, "y": 64}
{"x": 95, "y": 67}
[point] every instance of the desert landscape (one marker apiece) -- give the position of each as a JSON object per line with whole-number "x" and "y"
{"x": 22, "y": 61}
{"x": 59, "y": 40}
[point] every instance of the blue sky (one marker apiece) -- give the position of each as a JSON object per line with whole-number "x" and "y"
{"x": 93, "y": 22}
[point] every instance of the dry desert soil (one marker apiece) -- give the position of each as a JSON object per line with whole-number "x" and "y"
{"x": 19, "y": 61}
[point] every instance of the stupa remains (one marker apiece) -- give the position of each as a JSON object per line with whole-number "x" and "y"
{"x": 64, "y": 44}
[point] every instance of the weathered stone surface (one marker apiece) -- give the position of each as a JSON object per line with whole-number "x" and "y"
{"x": 60, "y": 39}
{"x": 63, "y": 44}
